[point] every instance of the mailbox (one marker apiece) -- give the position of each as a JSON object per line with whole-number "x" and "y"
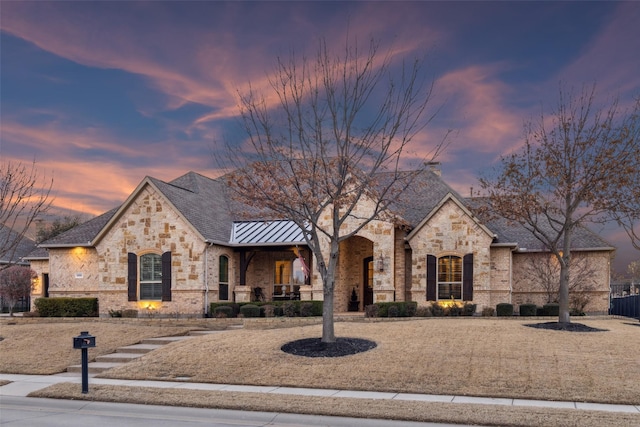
{"x": 84, "y": 340}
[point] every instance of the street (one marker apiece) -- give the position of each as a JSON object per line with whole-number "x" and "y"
{"x": 34, "y": 412}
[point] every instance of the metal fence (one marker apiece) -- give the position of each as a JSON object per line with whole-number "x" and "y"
{"x": 625, "y": 299}
{"x": 23, "y": 304}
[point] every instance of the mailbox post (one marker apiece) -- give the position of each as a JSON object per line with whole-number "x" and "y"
{"x": 84, "y": 341}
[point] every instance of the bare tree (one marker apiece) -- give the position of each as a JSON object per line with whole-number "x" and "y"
{"x": 24, "y": 195}
{"x": 58, "y": 226}
{"x": 336, "y": 136}
{"x": 545, "y": 270}
{"x": 15, "y": 283}
{"x": 580, "y": 165}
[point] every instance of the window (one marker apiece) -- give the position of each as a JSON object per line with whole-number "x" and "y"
{"x": 450, "y": 277}
{"x": 282, "y": 278}
{"x": 152, "y": 280}
{"x": 150, "y": 277}
{"x": 223, "y": 276}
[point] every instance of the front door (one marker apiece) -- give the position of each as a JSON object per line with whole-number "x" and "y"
{"x": 368, "y": 282}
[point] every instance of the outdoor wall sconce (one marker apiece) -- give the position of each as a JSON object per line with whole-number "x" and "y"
{"x": 380, "y": 263}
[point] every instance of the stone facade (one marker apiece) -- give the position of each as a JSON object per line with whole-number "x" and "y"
{"x": 589, "y": 279}
{"x": 451, "y": 231}
{"x": 149, "y": 223}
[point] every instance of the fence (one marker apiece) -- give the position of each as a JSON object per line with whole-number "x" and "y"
{"x": 628, "y": 306}
{"x": 23, "y": 304}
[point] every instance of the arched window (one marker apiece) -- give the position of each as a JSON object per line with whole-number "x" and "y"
{"x": 223, "y": 277}
{"x": 450, "y": 277}
{"x": 151, "y": 277}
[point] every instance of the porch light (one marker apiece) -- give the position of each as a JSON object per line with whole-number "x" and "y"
{"x": 380, "y": 263}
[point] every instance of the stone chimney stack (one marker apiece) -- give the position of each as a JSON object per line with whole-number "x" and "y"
{"x": 434, "y": 167}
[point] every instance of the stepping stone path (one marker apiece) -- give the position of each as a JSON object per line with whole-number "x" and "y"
{"x": 132, "y": 352}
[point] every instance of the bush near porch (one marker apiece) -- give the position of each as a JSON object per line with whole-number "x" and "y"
{"x": 293, "y": 308}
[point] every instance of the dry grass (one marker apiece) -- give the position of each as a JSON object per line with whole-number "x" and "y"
{"x": 47, "y": 348}
{"x": 480, "y": 357}
{"x": 489, "y": 415}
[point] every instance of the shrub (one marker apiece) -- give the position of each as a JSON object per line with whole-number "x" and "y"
{"x": 268, "y": 310}
{"x": 235, "y": 308}
{"x": 289, "y": 309}
{"x": 504, "y": 309}
{"x": 115, "y": 313}
{"x": 67, "y": 307}
{"x": 527, "y": 309}
{"x": 423, "y": 311}
{"x": 539, "y": 311}
{"x": 250, "y": 310}
{"x": 401, "y": 308}
{"x": 454, "y": 310}
{"x": 130, "y": 313}
{"x": 488, "y": 312}
{"x": 469, "y": 309}
{"x": 223, "y": 311}
{"x": 412, "y": 309}
{"x": 393, "y": 311}
{"x": 306, "y": 309}
{"x": 551, "y": 309}
{"x": 371, "y": 310}
{"x": 437, "y": 310}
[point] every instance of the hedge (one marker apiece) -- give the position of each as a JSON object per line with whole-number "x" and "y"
{"x": 504, "y": 309}
{"x": 528, "y": 309}
{"x": 67, "y": 307}
{"x": 289, "y": 308}
{"x": 396, "y": 309}
{"x": 551, "y": 309}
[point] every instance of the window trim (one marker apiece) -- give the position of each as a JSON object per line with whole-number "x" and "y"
{"x": 154, "y": 285}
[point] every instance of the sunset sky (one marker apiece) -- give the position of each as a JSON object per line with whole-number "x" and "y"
{"x": 102, "y": 94}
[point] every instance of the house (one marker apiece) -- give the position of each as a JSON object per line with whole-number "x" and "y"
{"x": 175, "y": 247}
{"x": 13, "y": 248}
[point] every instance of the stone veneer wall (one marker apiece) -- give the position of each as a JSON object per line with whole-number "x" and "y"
{"x": 528, "y": 289}
{"x": 450, "y": 231}
{"x": 73, "y": 272}
{"x": 498, "y": 289}
{"x": 149, "y": 225}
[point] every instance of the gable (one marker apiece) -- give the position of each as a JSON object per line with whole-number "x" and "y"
{"x": 453, "y": 208}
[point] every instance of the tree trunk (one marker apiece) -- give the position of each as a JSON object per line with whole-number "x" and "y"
{"x": 328, "y": 332}
{"x": 563, "y": 294}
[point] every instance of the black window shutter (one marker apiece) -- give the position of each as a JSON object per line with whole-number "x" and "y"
{"x": 166, "y": 276}
{"x": 132, "y": 276}
{"x": 431, "y": 278}
{"x": 467, "y": 277}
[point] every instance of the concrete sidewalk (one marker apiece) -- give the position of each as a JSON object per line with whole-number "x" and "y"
{"x": 22, "y": 385}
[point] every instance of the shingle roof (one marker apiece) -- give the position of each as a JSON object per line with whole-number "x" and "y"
{"x": 512, "y": 232}
{"x": 81, "y": 235}
{"x": 423, "y": 194}
{"x": 202, "y": 201}
{"x": 207, "y": 204}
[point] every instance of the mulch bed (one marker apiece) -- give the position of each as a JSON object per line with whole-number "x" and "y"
{"x": 314, "y": 347}
{"x": 570, "y": 327}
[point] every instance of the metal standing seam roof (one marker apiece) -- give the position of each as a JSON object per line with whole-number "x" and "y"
{"x": 266, "y": 232}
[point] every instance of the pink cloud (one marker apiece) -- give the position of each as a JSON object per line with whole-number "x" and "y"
{"x": 611, "y": 59}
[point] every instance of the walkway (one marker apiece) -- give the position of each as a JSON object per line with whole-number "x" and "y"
{"x": 22, "y": 385}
